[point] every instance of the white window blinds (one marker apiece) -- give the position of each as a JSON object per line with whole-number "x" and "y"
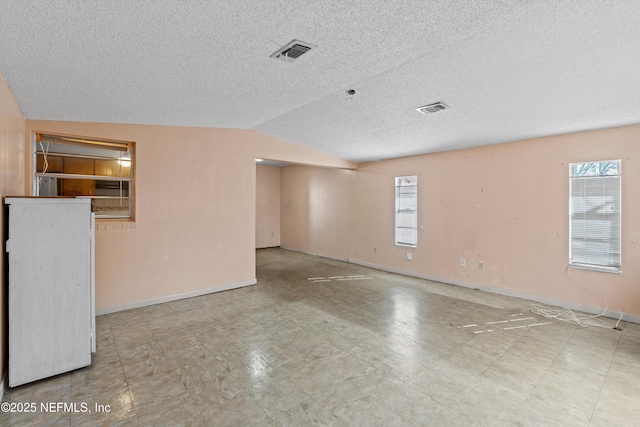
{"x": 594, "y": 223}
{"x": 407, "y": 211}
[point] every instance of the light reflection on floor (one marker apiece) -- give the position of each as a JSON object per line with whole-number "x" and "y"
{"x": 484, "y": 328}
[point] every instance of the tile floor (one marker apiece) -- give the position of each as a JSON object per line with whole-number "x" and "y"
{"x": 367, "y": 350}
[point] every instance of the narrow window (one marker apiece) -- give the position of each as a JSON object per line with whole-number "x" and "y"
{"x": 407, "y": 211}
{"x": 100, "y": 170}
{"x": 594, "y": 216}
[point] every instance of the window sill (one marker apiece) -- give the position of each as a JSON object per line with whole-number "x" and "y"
{"x": 403, "y": 245}
{"x": 597, "y": 268}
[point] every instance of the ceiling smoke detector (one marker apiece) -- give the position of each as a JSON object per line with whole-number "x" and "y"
{"x": 292, "y": 51}
{"x": 432, "y": 108}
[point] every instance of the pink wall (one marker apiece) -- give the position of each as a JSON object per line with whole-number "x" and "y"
{"x": 195, "y": 206}
{"x": 12, "y": 183}
{"x": 505, "y": 205}
{"x": 267, "y": 206}
{"x": 315, "y": 210}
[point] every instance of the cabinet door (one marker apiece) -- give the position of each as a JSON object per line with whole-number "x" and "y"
{"x": 49, "y": 288}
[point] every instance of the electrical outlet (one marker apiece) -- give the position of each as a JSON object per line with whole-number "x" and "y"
{"x": 409, "y": 256}
{"x": 463, "y": 262}
{"x": 480, "y": 265}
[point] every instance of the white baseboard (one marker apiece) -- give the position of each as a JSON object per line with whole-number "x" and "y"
{"x": 507, "y": 292}
{"x": 500, "y": 291}
{"x": 175, "y": 297}
{"x": 314, "y": 254}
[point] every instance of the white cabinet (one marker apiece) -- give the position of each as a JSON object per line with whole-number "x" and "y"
{"x": 51, "y": 286}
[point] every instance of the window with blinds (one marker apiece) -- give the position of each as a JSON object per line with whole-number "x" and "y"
{"x": 594, "y": 216}
{"x": 100, "y": 170}
{"x": 407, "y": 211}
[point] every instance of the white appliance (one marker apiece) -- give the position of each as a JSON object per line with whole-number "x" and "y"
{"x": 51, "y": 286}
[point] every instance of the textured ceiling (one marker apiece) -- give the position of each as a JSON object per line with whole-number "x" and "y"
{"x": 508, "y": 69}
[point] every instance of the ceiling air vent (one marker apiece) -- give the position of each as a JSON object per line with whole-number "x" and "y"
{"x": 292, "y": 51}
{"x": 433, "y": 108}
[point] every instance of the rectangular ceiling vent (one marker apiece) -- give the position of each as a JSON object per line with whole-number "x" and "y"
{"x": 292, "y": 51}
{"x": 433, "y": 108}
